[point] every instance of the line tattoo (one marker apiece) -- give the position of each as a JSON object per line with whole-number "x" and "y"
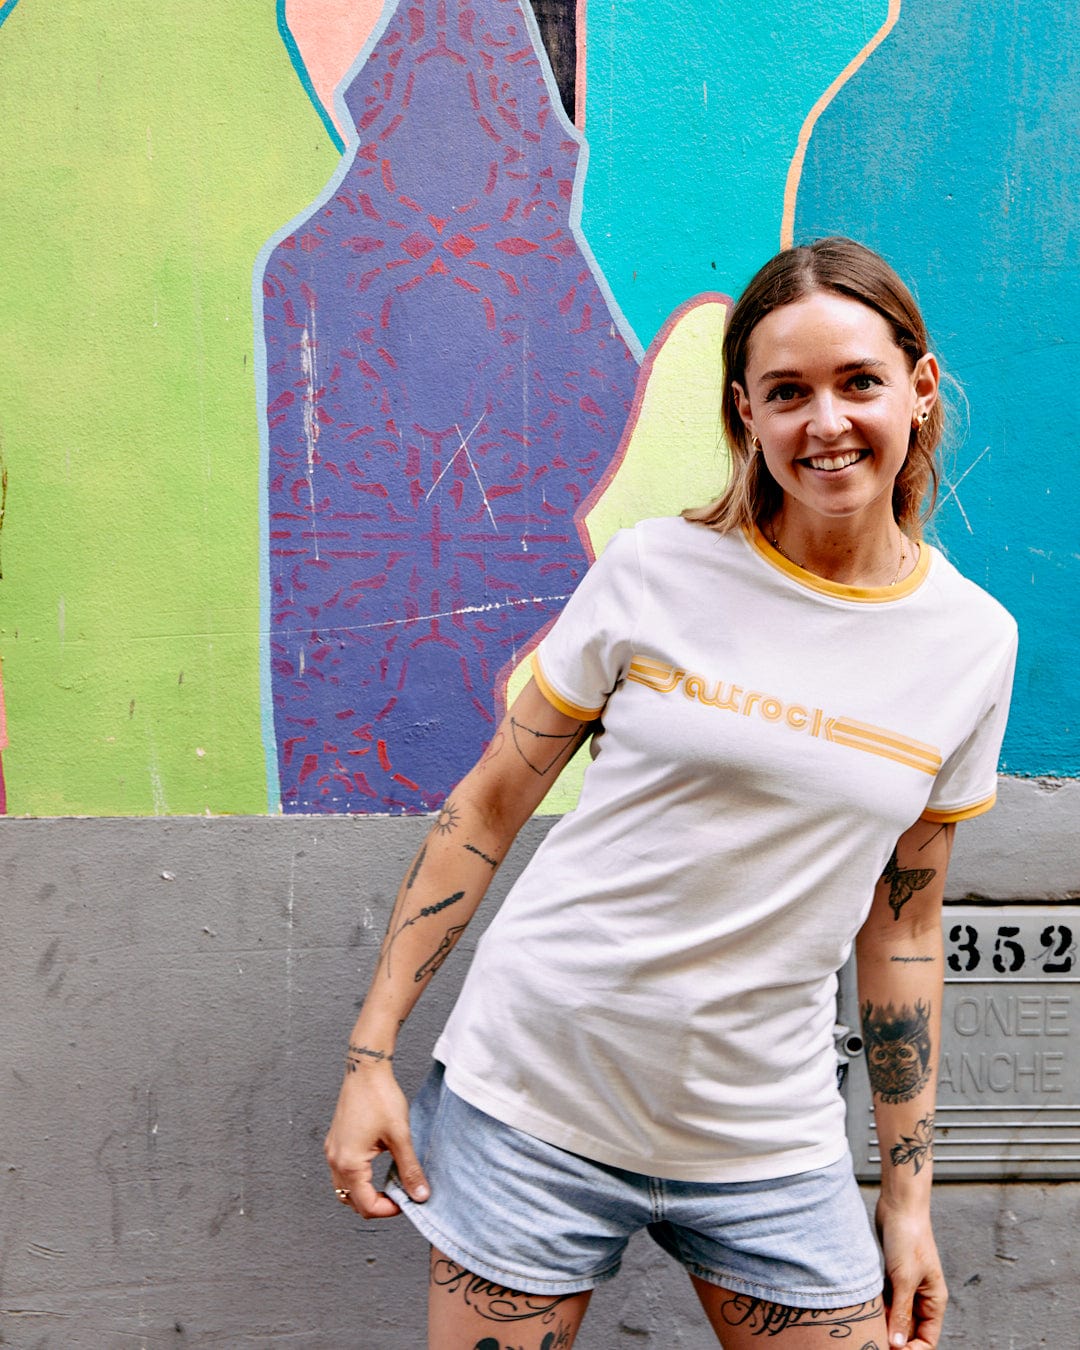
{"x": 903, "y": 882}
{"x": 441, "y": 952}
{"x": 470, "y": 848}
{"x": 897, "y": 1050}
{"x": 416, "y": 867}
{"x": 542, "y": 745}
{"x": 426, "y": 912}
{"x": 762, "y": 1318}
{"x": 917, "y": 1148}
{"x": 907, "y": 960}
{"x": 494, "y": 1302}
{"x": 358, "y": 1054}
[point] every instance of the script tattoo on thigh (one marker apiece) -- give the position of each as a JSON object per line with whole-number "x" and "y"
{"x": 495, "y": 1303}
{"x": 897, "y": 1050}
{"x": 761, "y": 1318}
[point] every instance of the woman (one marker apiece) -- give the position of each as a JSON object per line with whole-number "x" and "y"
{"x": 791, "y": 701}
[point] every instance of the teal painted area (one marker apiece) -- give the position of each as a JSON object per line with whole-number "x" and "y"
{"x": 5, "y": 10}
{"x": 693, "y": 111}
{"x": 955, "y": 152}
{"x": 305, "y": 79}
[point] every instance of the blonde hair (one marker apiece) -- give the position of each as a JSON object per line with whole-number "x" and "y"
{"x": 849, "y": 269}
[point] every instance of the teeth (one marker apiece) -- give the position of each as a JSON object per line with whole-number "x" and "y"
{"x": 840, "y": 461}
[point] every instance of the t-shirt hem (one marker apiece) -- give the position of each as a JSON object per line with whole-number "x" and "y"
{"x": 950, "y": 815}
{"x": 756, "y": 1167}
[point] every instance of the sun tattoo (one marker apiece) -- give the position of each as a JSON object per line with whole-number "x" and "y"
{"x": 447, "y": 818}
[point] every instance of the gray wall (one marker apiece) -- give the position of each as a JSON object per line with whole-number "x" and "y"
{"x": 175, "y": 996}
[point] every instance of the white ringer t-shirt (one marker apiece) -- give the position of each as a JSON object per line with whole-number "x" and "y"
{"x": 658, "y": 990}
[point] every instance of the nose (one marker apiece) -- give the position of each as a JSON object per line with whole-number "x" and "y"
{"x": 827, "y": 420}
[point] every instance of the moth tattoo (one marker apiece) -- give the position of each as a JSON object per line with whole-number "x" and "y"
{"x": 903, "y": 882}
{"x": 897, "y": 1049}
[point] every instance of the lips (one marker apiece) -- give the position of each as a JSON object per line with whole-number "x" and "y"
{"x": 833, "y": 463}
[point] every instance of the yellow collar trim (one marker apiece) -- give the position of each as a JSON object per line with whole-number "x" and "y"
{"x": 867, "y": 595}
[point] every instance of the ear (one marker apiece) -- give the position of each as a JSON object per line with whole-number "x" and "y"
{"x": 742, "y": 403}
{"x": 925, "y": 384}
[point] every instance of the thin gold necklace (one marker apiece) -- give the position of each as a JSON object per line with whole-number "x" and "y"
{"x": 785, "y": 554}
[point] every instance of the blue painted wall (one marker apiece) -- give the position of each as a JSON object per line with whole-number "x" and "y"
{"x": 955, "y": 152}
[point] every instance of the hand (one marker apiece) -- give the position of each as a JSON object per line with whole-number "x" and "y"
{"x": 915, "y": 1293}
{"x": 372, "y": 1117}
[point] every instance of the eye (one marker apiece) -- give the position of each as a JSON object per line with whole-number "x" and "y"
{"x": 864, "y": 382}
{"x": 782, "y": 393}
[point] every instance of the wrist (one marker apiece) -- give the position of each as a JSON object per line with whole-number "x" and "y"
{"x": 362, "y": 1055}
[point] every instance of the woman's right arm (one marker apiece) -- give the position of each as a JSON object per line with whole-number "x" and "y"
{"x": 445, "y": 883}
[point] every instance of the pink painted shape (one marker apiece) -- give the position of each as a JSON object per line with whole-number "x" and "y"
{"x": 330, "y": 34}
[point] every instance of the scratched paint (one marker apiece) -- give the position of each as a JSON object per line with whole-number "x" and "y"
{"x": 446, "y": 384}
{"x": 971, "y": 188}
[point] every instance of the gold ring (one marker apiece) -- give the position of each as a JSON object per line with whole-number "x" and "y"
{"x": 342, "y": 1194}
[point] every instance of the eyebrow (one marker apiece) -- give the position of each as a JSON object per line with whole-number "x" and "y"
{"x": 866, "y": 363}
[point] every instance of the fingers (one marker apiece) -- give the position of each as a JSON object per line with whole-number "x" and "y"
{"x": 354, "y": 1184}
{"x": 410, "y": 1173}
{"x": 915, "y": 1318}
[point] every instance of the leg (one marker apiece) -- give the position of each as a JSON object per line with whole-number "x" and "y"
{"x": 745, "y": 1323}
{"x": 467, "y": 1312}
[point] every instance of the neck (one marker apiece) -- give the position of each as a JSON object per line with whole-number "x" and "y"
{"x": 839, "y": 551}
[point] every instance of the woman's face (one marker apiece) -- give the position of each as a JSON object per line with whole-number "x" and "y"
{"x": 832, "y": 399}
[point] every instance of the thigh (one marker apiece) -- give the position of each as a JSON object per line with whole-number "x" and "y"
{"x": 745, "y": 1323}
{"x": 468, "y": 1312}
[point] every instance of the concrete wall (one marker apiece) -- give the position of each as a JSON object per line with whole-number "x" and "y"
{"x": 175, "y": 996}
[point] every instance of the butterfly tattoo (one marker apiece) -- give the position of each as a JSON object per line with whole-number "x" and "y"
{"x": 903, "y": 882}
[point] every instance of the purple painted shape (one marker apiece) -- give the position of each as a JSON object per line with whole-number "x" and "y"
{"x": 445, "y": 385}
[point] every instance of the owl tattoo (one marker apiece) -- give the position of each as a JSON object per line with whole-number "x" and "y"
{"x": 897, "y": 1050}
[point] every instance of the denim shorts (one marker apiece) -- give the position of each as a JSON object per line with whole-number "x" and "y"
{"x": 540, "y": 1220}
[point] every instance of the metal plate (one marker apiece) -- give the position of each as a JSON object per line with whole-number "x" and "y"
{"x": 1009, "y": 1080}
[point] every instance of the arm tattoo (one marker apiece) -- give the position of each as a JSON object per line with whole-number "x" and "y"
{"x": 441, "y": 952}
{"x": 416, "y": 867}
{"x": 357, "y": 1054}
{"x": 494, "y": 1302}
{"x": 424, "y": 913}
{"x": 470, "y": 848}
{"x": 917, "y": 1148}
{"x": 897, "y": 1050}
{"x": 447, "y": 819}
{"x": 542, "y": 750}
{"x": 908, "y": 960}
{"x": 762, "y": 1318}
{"x": 903, "y": 882}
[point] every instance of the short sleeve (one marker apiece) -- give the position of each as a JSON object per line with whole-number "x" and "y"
{"x": 587, "y": 651}
{"x": 966, "y": 784}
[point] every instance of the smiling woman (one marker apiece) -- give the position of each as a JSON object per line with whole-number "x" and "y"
{"x": 645, "y": 1037}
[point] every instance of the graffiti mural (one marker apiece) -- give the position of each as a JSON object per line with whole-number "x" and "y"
{"x": 286, "y": 546}
{"x": 446, "y": 383}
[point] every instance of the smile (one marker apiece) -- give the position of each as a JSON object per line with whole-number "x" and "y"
{"x": 831, "y": 463}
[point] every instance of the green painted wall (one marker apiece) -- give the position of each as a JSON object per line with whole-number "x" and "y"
{"x": 148, "y": 150}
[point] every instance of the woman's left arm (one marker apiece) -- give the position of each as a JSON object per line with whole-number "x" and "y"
{"x": 901, "y": 980}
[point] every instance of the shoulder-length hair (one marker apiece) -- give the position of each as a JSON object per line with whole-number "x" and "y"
{"x": 846, "y": 268}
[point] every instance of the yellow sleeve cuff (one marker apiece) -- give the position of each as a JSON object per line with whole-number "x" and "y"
{"x": 569, "y": 709}
{"x": 960, "y": 813}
